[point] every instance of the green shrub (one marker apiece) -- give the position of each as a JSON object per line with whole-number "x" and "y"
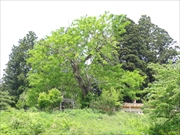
{"x": 107, "y": 102}
{"x": 54, "y": 97}
{"x": 72, "y": 122}
{"x": 43, "y": 100}
{"x": 5, "y": 100}
{"x": 21, "y": 101}
{"x": 87, "y": 100}
{"x": 33, "y": 109}
{"x": 50, "y": 100}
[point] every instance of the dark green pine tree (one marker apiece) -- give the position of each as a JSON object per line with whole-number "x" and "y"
{"x": 130, "y": 50}
{"x": 157, "y": 45}
{"x": 14, "y": 79}
{"x": 144, "y": 43}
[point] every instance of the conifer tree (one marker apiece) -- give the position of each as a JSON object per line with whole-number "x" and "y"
{"x": 14, "y": 79}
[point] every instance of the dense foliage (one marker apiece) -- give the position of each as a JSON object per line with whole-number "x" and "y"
{"x": 108, "y": 101}
{"x": 50, "y": 100}
{"x": 145, "y": 43}
{"x": 74, "y": 59}
{"x": 15, "y": 77}
{"x": 98, "y": 62}
{"x": 72, "y": 122}
{"x": 5, "y": 100}
{"x": 163, "y": 98}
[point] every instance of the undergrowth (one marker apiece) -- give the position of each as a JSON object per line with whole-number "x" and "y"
{"x": 72, "y": 122}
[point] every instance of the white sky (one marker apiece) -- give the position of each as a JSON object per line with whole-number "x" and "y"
{"x": 42, "y": 17}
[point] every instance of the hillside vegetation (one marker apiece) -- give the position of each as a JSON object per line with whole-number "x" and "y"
{"x": 97, "y": 63}
{"x": 72, "y": 122}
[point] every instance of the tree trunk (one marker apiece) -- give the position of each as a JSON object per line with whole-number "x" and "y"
{"x": 81, "y": 82}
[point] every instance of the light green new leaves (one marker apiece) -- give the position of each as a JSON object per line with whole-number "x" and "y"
{"x": 48, "y": 70}
{"x": 50, "y": 100}
{"x": 163, "y": 99}
{"x": 74, "y": 58}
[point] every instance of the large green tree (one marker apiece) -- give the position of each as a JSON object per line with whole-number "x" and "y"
{"x": 157, "y": 45}
{"x": 15, "y": 77}
{"x": 163, "y": 99}
{"x": 76, "y": 58}
{"x": 130, "y": 48}
{"x": 145, "y": 43}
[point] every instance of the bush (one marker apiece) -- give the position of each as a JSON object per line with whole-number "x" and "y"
{"x": 107, "y": 102}
{"x": 22, "y": 101}
{"x": 72, "y": 122}
{"x": 5, "y": 100}
{"x": 50, "y": 100}
{"x": 87, "y": 100}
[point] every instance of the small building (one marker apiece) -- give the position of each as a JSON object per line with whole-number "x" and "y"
{"x": 132, "y": 107}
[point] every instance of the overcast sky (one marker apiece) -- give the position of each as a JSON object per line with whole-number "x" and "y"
{"x": 42, "y": 17}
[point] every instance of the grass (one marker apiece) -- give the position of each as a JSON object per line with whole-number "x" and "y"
{"x": 72, "y": 122}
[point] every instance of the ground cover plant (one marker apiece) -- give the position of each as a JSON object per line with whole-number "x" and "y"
{"x": 72, "y": 122}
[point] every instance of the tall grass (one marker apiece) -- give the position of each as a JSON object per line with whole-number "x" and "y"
{"x": 72, "y": 122}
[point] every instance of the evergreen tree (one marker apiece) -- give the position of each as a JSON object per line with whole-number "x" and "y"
{"x": 130, "y": 49}
{"x": 14, "y": 79}
{"x": 157, "y": 45}
{"x": 145, "y": 43}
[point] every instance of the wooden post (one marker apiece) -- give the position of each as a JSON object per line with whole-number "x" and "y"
{"x": 73, "y": 104}
{"x": 60, "y": 107}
